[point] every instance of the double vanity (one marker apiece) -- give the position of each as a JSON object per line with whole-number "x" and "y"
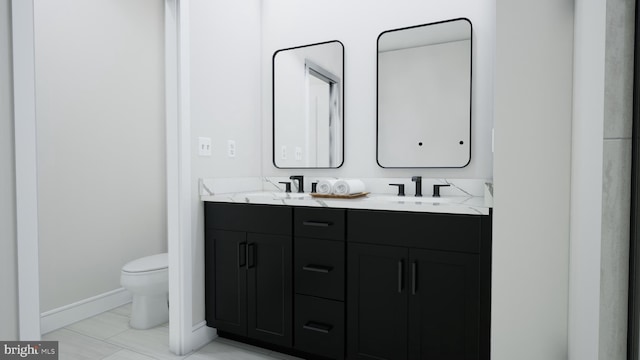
{"x": 379, "y": 277}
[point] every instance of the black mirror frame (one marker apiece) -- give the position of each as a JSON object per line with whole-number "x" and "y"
{"x": 470, "y": 95}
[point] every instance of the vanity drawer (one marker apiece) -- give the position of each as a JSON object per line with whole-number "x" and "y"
{"x": 319, "y": 267}
{"x": 319, "y": 223}
{"x": 319, "y": 326}
{"x": 266, "y": 219}
{"x": 446, "y": 232}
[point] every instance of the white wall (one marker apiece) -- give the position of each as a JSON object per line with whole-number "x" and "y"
{"x": 225, "y": 104}
{"x": 532, "y": 164}
{"x": 101, "y": 144}
{"x": 357, "y": 24}
{"x": 8, "y": 255}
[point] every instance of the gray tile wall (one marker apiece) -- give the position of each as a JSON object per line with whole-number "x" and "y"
{"x": 616, "y": 192}
{"x": 614, "y": 270}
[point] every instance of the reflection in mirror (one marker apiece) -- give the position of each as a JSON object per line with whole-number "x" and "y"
{"x": 424, "y": 96}
{"x": 308, "y": 103}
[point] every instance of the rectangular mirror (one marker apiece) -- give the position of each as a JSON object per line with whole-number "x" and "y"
{"x": 308, "y": 106}
{"x": 424, "y": 96}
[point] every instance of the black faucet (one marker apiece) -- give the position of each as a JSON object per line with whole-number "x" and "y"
{"x": 400, "y": 189}
{"x": 418, "y": 181}
{"x": 436, "y": 189}
{"x": 287, "y": 185}
{"x": 300, "y": 180}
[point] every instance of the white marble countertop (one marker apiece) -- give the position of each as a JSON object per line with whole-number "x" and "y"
{"x": 470, "y": 205}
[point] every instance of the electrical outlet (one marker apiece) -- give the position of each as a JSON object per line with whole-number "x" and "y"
{"x": 283, "y": 152}
{"x": 204, "y": 146}
{"x": 298, "y": 153}
{"x": 231, "y": 148}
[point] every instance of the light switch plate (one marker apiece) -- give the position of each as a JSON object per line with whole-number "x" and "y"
{"x": 204, "y": 146}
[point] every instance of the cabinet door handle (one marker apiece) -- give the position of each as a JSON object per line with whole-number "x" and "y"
{"x": 242, "y": 254}
{"x": 316, "y": 326}
{"x": 318, "y": 268}
{"x": 317, "y": 223}
{"x": 251, "y": 250}
{"x": 400, "y": 276}
{"x": 414, "y": 278}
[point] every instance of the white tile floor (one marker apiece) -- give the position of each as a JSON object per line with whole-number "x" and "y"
{"x": 108, "y": 336}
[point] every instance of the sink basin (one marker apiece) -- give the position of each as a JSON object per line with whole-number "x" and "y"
{"x": 410, "y": 199}
{"x": 296, "y": 196}
{"x": 278, "y": 195}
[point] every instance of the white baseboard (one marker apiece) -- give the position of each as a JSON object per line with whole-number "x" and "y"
{"x": 202, "y": 335}
{"x": 58, "y": 318}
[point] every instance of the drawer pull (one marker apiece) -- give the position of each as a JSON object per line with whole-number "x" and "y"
{"x": 318, "y": 268}
{"x": 414, "y": 278}
{"x": 317, "y": 223}
{"x": 400, "y": 276}
{"x": 319, "y": 327}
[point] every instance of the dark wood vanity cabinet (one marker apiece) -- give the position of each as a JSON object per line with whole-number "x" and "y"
{"x": 376, "y": 302}
{"x": 248, "y": 282}
{"x": 344, "y": 283}
{"x": 319, "y": 277}
{"x": 418, "y": 286}
{"x": 226, "y": 280}
{"x": 412, "y": 303}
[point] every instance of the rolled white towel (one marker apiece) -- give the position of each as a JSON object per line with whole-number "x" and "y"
{"x": 325, "y": 186}
{"x": 347, "y": 187}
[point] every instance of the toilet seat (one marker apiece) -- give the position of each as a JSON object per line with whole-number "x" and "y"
{"x": 162, "y": 272}
{"x": 147, "y": 264}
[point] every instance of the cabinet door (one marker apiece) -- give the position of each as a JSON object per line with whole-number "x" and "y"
{"x": 377, "y": 302}
{"x": 270, "y": 288}
{"x": 443, "y": 305}
{"x": 226, "y": 280}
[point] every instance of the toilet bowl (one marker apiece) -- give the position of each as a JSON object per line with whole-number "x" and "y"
{"x": 147, "y": 279}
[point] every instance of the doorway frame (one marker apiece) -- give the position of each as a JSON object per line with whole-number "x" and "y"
{"x": 26, "y": 164}
{"x": 178, "y": 161}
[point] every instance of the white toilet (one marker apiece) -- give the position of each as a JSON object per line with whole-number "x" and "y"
{"x": 148, "y": 280}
